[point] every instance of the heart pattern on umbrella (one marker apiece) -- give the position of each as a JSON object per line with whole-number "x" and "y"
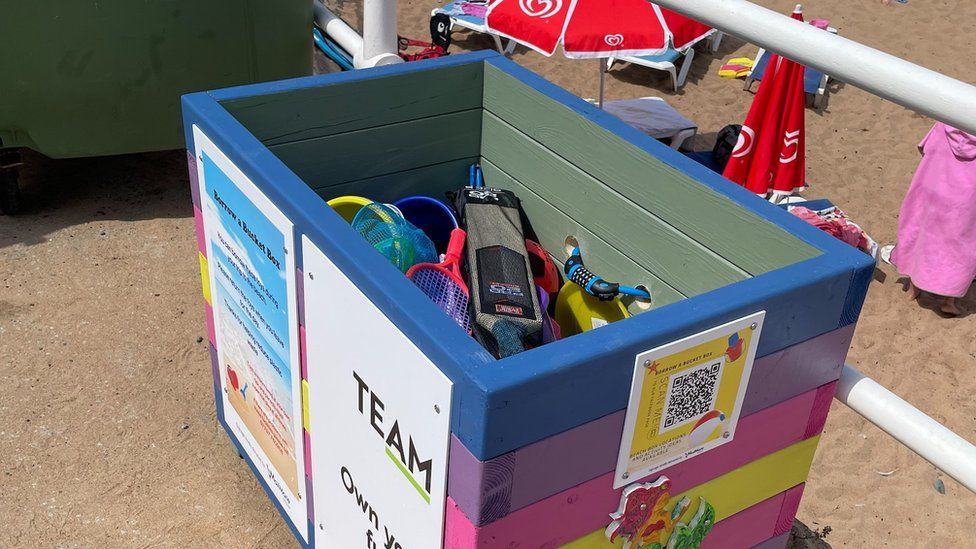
{"x": 614, "y": 40}
{"x": 541, "y": 8}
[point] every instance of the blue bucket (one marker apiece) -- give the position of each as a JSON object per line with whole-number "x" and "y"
{"x": 430, "y": 215}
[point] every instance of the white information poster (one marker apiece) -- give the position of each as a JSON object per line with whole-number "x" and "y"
{"x": 686, "y": 397}
{"x": 252, "y": 284}
{"x": 380, "y": 416}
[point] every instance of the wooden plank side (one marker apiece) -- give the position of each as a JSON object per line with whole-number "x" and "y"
{"x": 348, "y": 106}
{"x": 581, "y": 513}
{"x": 372, "y": 152}
{"x": 532, "y": 472}
{"x": 745, "y": 239}
{"x": 516, "y": 480}
{"x": 552, "y": 226}
{"x": 432, "y": 181}
{"x": 682, "y": 263}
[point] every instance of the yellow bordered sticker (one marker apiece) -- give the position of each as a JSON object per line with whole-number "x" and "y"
{"x": 686, "y": 397}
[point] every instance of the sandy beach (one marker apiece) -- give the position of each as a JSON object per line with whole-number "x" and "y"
{"x": 108, "y": 435}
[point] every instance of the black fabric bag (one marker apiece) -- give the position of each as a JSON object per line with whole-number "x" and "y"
{"x": 725, "y": 144}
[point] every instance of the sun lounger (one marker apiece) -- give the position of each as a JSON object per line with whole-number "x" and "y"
{"x": 814, "y": 81}
{"x": 653, "y": 116}
{"x": 667, "y": 61}
{"x": 471, "y": 16}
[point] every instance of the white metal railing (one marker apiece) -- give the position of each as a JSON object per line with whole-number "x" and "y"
{"x": 883, "y": 74}
{"x": 926, "y": 437}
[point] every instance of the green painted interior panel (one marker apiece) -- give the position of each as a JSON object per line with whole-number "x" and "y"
{"x": 382, "y": 150}
{"x": 676, "y": 259}
{"x": 552, "y": 226}
{"x": 337, "y": 108}
{"x": 743, "y": 238}
{"x": 638, "y": 220}
{"x": 428, "y": 180}
{"x": 88, "y": 78}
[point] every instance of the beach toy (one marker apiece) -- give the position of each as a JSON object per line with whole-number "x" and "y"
{"x": 578, "y": 312}
{"x": 501, "y": 279}
{"x": 550, "y": 330}
{"x": 707, "y": 426}
{"x": 430, "y": 215}
{"x": 738, "y": 67}
{"x": 593, "y": 284}
{"x": 735, "y": 347}
{"x": 443, "y": 284}
{"x": 348, "y": 206}
{"x": 544, "y": 271}
{"x": 393, "y": 236}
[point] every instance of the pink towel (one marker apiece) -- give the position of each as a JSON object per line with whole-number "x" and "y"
{"x": 937, "y": 225}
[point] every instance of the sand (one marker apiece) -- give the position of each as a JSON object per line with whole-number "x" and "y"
{"x": 108, "y": 436}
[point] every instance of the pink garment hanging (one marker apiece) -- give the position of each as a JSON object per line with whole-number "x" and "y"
{"x": 937, "y": 224}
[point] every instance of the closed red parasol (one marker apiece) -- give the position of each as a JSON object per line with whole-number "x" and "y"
{"x": 770, "y": 156}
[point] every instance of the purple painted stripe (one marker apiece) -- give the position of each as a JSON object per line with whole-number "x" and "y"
{"x": 300, "y": 295}
{"x": 491, "y": 489}
{"x": 215, "y": 370}
{"x": 778, "y": 542}
{"x": 191, "y": 165}
{"x": 303, "y": 352}
{"x": 797, "y": 369}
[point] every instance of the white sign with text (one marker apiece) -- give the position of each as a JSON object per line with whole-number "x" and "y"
{"x": 380, "y": 416}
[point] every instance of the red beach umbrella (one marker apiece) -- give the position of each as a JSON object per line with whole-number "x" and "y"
{"x": 594, "y": 28}
{"x": 770, "y": 155}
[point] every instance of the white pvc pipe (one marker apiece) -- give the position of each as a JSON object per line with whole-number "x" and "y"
{"x": 379, "y": 34}
{"x": 338, "y": 30}
{"x": 882, "y": 74}
{"x": 925, "y": 436}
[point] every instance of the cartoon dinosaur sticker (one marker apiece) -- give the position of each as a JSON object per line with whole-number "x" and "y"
{"x": 643, "y": 521}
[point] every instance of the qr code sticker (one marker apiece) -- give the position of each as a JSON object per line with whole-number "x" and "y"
{"x": 691, "y": 394}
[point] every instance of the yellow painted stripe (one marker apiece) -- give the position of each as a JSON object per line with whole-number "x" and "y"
{"x": 204, "y": 277}
{"x": 736, "y": 490}
{"x": 305, "y": 405}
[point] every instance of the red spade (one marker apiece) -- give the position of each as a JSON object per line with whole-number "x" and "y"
{"x": 232, "y": 376}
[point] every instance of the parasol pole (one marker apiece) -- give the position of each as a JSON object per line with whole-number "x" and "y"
{"x": 603, "y": 72}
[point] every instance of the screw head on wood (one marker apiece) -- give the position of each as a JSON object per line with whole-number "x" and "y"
{"x": 647, "y": 363}
{"x": 753, "y": 326}
{"x": 625, "y": 476}
{"x": 311, "y": 276}
{"x": 437, "y": 408}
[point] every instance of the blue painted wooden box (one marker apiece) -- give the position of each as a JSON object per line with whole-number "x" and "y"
{"x": 709, "y": 251}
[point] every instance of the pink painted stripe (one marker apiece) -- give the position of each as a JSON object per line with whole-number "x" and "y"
{"x": 488, "y": 490}
{"x": 574, "y": 512}
{"x": 751, "y": 526}
{"x": 754, "y": 526}
{"x": 825, "y": 395}
{"x": 201, "y": 236}
{"x": 211, "y": 330}
{"x": 306, "y": 439}
{"x": 778, "y": 542}
{"x": 307, "y": 443}
{"x": 790, "y": 506}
